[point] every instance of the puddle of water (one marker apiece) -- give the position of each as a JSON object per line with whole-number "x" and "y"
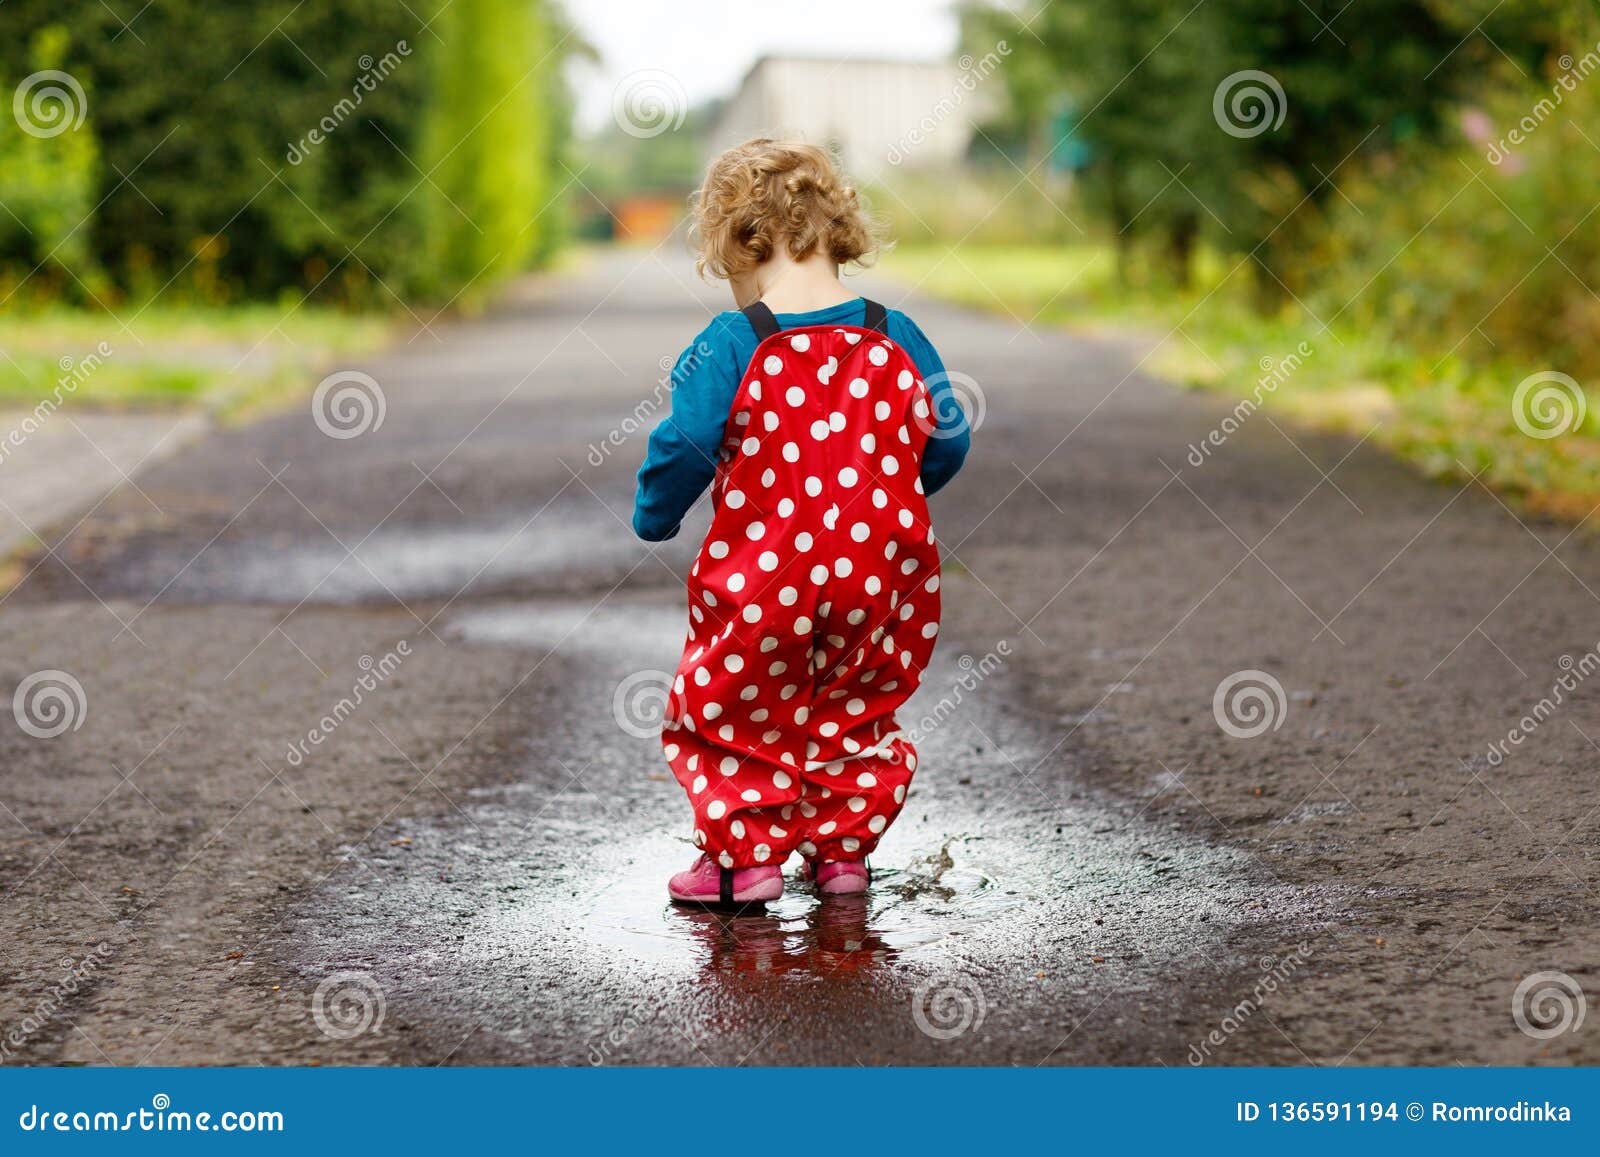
{"x": 540, "y": 911}
{"x": 413, "y": 562}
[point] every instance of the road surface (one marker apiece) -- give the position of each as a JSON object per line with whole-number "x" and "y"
{"x": 338, "y": 778}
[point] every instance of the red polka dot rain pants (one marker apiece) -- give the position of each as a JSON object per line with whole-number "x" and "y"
{"x": 813, "y": 604}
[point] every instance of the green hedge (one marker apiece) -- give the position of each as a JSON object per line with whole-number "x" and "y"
{"x": 338, "y": 148}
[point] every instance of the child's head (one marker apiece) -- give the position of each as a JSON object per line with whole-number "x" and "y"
{"x": 767, "y": 197}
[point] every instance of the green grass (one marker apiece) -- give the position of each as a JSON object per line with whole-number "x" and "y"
{"x": 1450, "y": 417}
{"x": 227, "y": 359}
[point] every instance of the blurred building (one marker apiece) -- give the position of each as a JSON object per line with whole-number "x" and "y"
{"x": 875, "y": 114}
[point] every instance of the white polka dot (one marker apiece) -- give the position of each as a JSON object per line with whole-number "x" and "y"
{"x": 736, "y": 581}
{"x": 768, "y": 476}
{"x": 788, "y": 596}
{"x": 813, "y": 486}
{"x": 761, "y": 852}
{"x": 848, "y": 476}
{"x": 819, "y": 429}
{"x": 929, "y": 630}
{"x": 791, "y": 452}
{"x": 795, "y": 396}
{"x": 800, "y": 342}
{"x": 856, "y": 618}
{"x": 802, "y": 542}
{"x": 774, "y": 364}
{"x": 699, "y": 784}
{"x": 733, "y": 663}
{"x": 716, "y": 809}
{"x": 781, "y": 780}
{"x": 752, "y": 613}
{"x": 802, "y": 625}
{"x": 717, "y": 549}
{"x": 869, "y": 442}
{"x": 877, "y": 355}
{"x": 768, "y": 561}
{"x": 858, "y": 388}
{"x": 932, "y": 584}
{"x": 890, "y": 464}
{"x": 737, "y": 828}
{"x": 842, "y": 567}
{"x": 857, "y": 804}
{"x": 785, "y": 507}
{"x": 908, "y": 566}
{"x": 873, "y": 585}
{"x": 828, "y": 730}
{"x": 819, "y": 574}
{"x": 881, "y": 411}
{"x": 900, "y": 792}
{"x": 866, "y": 779}
{"x": 702, "y": 677}
{"x": 671, "y": 751}
{"x": 754, "y": 531}
{"x": 712, "y": 711}
{"x": 904, "y": 380}
{"x": 827, "y": 828}
{"x": 860, "y": 531}
{"x": 751, "y": 796}
{"x": 770, "y": 421}
{"x": 856, "y": 706}
{"x": 850, "y": 844}
{"x": 750, "y": 445}
{"x": 729, "y": 765}
{"x": 836, "y": 421}
{"x": 905, "y": 519}
{"x": 724, "y": 859}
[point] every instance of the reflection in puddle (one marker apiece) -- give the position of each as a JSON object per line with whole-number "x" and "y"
{"x": 906, "y": 909}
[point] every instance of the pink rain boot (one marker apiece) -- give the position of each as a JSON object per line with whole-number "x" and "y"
{"x": 840, "y": 877}
{"x": 707, "y": 883}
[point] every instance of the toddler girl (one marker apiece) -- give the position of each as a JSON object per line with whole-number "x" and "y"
{"x": 821, "y": 421}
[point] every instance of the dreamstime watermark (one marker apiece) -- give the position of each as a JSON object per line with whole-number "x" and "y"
{"x": 673, "y": 372}
{"x": 641, "y": 703}
{"x": 374, "y": 673}
{"x": 73, "y": 373}
{"x": 1249, "y": 103}
{"x": 1548, "y": 404}
{"x": 973, "y": 73}
{"x": 648, "y": 103}
{"x": 75, "y": 974}
{"x": 1573, "y": 673}
{"x": 950, "y": 413}
{"x": 1573, "y": 73}
{"x": 373, "y": 73}
{"x": 973, "y": 673}
{"x": 603, "y": 1049}
{"x": 946, "y": 1007}
{"x": 1275, "y": 973}
{"x": 1273, "y": 375}
{"x": 49, "y": 703}
{"x": 49, "y": 103}
{"x": 1547, "y": 1004}
{"x": 347, "y": 404}
{"x": 348, "y": 1004}
{"x": 1249, "y": 703}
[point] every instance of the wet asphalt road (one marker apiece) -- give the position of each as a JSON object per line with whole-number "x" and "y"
{"x": 469, "y": 867}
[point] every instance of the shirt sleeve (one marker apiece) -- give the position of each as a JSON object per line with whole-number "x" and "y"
{"x": 952, "y": 437}
{"x": 681, "y": 456}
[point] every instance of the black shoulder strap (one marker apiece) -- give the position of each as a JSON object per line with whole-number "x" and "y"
{"x": 877, "y": 318}
{"x": 761, "y": 320}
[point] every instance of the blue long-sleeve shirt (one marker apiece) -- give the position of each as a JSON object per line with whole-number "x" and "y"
{"x": 681, "y": 458}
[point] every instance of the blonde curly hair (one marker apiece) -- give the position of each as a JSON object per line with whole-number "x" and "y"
{"x": 765, "y": 193}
